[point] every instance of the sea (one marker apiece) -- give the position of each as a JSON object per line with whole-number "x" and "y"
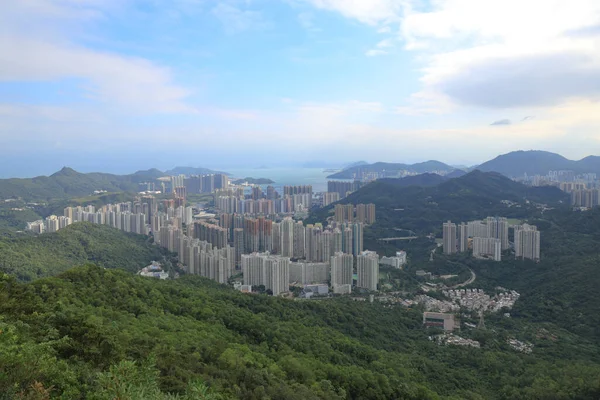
{"x": 317, "y": 177}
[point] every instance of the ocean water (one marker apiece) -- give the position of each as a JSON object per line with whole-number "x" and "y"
{"x": 286, "y": 176}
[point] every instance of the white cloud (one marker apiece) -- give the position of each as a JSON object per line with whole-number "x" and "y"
{"x": 371, "y": 12}
{"x": 507, "y": 53}
{"x": 375, "y": 52}
{"x": 236, "y": 20}
{"x": 494, "y": 53}
{"x": 46, "y": 53}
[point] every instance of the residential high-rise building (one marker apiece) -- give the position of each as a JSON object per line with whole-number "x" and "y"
{"x": 498, "y": 229}
{"x": 527, "y": 242}
{"x": 342, "y": 266}
{"x": 339, "y": 213}
{"x": 307, "y": 273}
{"x": 463, "y": 238}
{"x": 287, "y": 237}
{"x": 490, "y": 247}
{"x": 397, "y": 261}
{"x": 257, "y": 192}
{"x": 271, "y": 193}
{"x": 367, "y": 268}
{"x": 347, "y": 240}
{"x": 361, "y": 213}
{"x": 343, "y": 187}
{"x": 349, "y": 212}
{"x": 238, "y": 245}
{"x": 357, "y": 238}
{"x": 370, "y": 213}
{"x": 330, "y": 197}
{"x": 449, "y": 237}
{"x": 265, "y": 269}
{"x": 299, "y": 240}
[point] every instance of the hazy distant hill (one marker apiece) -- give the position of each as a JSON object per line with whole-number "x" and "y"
{"x": 457, "y": 173}
{"x": 69, "y": 183}
{"x": 253, "y": 181}
{"x": 424, "y": 180}
{"x": 536, "y": 162}
{"x": 427, "y": 166}
{"x": 193, "y": 171}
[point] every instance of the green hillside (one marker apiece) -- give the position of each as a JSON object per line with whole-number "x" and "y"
{"x": 68, "y": 183}
{"x": 421, "y": 203}
{"x": 78, "y": 333}
{"x": 419, "y": 168}
{"x": 31, "y": 257}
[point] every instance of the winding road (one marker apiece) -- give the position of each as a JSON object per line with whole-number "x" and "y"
{"x": 467, "y": 282}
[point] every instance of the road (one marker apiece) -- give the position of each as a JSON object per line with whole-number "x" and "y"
{"x": 467, "y": 282}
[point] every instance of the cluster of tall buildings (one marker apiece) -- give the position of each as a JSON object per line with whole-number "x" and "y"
{"x": 566, "y": 180}
{"x": 490, "y": 238}
{"x": 527, "y": 242}
{"x": 49, "y": 224}
{"x": 272, "y": 271}
{"x": 284, "y": 205}
{"x": 343, "y": 188}
{"x": 365, "y": 213}
{"x": 197, "y": 256}
{"x": 200, "y": 183}
{"x": 290, "y": 238}
{"x": 585, "y": 198}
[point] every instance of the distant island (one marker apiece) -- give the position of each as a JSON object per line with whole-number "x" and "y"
{"x": 253, "y": 181}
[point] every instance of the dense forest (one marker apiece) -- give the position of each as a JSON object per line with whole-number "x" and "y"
{"x": 29, "y": 257}
{"x": 95, "y": 333}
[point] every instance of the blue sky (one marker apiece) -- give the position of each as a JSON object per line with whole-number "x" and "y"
{"x": 121, "y": 85}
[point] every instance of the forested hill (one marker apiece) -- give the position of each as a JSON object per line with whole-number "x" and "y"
{"x": 68, "y": 183}
{"x": 104, "y": 334}
{"x": 535, "y": 162}
{"x": 31, "y": 257}
{"x": 421, "y": 203}
{"x": 420, "y": 168}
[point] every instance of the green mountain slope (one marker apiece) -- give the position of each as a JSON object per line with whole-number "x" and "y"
{"x": 420, "y": 168}
{"x": 70, "y": 183}
{"x": 31, "y": 257}
{"x": 421, "y": 203}
{"x": 71, "y": 329}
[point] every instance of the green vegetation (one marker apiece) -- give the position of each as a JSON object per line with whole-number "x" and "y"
{"x": 57, "y": 207}
{"x": 421, "y": 203}
{"x": 419, "y": 168}
{"x": 78, "y": 335}
{"x": 14, "y": 216}
{"x": 30, "y": 257}
{"x": 68, "y": 183}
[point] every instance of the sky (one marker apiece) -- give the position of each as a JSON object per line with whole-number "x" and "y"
{"x": 122, "y": 85}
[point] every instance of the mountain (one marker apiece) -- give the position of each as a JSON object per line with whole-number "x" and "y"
{"x": 355, "y": 164}
{"x": 105, "y": 334}
{"x": 457, "y": 173}
{"x": 69, "y": 183}
{"x": 423, "y": 167}
{"x": 31, "y": 257}
{"x": 422, "y": 202}
{"x": 424, "y": 180}
{"x": 193, "y": 171}
{"x": 536, "y": 162}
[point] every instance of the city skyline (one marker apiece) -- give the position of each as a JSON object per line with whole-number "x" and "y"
{"x": 376, "y": 80}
